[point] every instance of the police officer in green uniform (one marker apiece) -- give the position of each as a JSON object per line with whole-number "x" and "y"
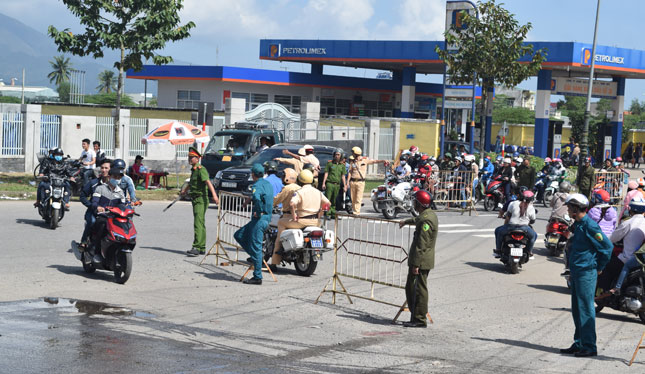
{"x": 251, "y": 235}
{"x": 420, "y": 259}
{"x": 199, "y": 186}
{"x": 589, "y": 252}
{"x": 335, "y": 173}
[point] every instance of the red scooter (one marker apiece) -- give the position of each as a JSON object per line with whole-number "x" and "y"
{"x": 116, "y": 245}
{"x": 494, "y": 194}
{"x": 557, "y": 234}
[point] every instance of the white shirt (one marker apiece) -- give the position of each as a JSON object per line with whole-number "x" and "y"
{"x": 403, "y": 170}
{"x": 632, "y": 233}
{"x": 88, "y": 156}
{"x": 514, "y": 212}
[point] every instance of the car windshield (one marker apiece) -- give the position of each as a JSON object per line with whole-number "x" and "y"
{"x": 228, "y": 144}
{"x": 266, "y": 155}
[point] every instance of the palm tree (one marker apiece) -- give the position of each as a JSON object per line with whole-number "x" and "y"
{"x": 62, "y": 67}
{"x": 107, "y": 81}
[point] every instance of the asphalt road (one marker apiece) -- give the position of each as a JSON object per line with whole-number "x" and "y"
{"x": 174, "y": 316}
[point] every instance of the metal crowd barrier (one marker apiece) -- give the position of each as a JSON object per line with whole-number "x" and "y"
{"x": 453, "y": 189}
{"x": 370, "y": 250}
{"x": 612, "y": 182}
{"x": 232, "y": 214}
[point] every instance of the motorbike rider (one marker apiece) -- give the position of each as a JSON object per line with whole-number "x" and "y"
{"x": 105, "y": 195}
{"x": 487, "y": 171}
{"x": 286, "y": 220}
{"x": 559, "y": 171}
{"x": 632, "y": 191}
{"x": 86, "y": 198}
{"x": 403, "y": 170}
{"x": 602, "y": 213}
{"x": 627, "y": 255}
{"x": 447, "y": 163}
{"x": 507, "y": 175}
{"x": 519, "y": 216}
{"x": 558, "y": 208}
{"x": 632, "y": 234}
{"x": 270, "y": 174}
{"x": 54, "y": 165}
{"x": 413, "y": 157}
{"x": 88, "y": 158}
{"x": 589, "y": 251}
{"x": 126, "y": 184}
{"x": 608, "y": 165}
{"x": 525, "y": 174}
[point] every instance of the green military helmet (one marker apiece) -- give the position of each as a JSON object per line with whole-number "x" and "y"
{"x": 309, "y": 167}
{"x": 270, "y": 167}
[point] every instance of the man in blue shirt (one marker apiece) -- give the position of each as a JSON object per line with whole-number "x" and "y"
{"x": 126, "y": 184}
{"x": 270, "y": 170}
{"x": 86, "y": 197}
{"x": 251, "y": 235}
{"x": 589, "y": 252}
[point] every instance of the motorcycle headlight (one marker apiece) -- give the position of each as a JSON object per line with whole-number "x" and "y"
{"x": 118, "y": 237}
{"x": 57, "y": 193}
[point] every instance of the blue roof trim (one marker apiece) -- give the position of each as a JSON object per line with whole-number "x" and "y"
{"x": 278, "y": 77}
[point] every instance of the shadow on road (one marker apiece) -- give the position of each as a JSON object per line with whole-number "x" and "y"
{"x": 166, "y": 250}
{"x": 543, "y": 348}
{"x": 550, "y": 287}
{"x": 78, "y": 270}
{"x": 33, "y": 222}
{"x": 496, "y": 267}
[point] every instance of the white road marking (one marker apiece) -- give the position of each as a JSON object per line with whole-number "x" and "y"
{"x": 485, "y": 236}
{"x": 442, "y": 225}
{"x": 463, "y": 231}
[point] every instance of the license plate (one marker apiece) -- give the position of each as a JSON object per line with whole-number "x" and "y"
{"x": 516, "y": 252}
{"x": 316, "y": 243}
{"x": 226, "y": 158}
{"x": 381, "y": 194}
{"x": 229, "y": 184}
{"x": 552, "y": 240}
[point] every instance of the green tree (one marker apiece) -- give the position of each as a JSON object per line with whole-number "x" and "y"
{"x": 107, "y": 82}
{"x": 109, "y": 99}
{"x": 491, "y": 49}
{"x": 636, "y": 107}
{"x": 63, "y": 92}
{"x": 513, "y": 115}
{"x": 61, "y": 72}
{"x": 9, "y": 99}
{"x": 138, "y": 29}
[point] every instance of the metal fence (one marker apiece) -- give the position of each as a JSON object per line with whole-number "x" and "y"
{"x": 105, "y": 134}
{"x": 612, "y": 182}
{"x": 138, "y": 129}
{"x": 49, "y": 132}
{"x": 13, "y": 127}
{"x": 370, "y": 250}
{"x": 232, "y": 214}
{"x": 452, "y": 189}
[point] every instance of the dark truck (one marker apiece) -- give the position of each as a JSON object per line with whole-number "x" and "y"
{"x": 234, "y": 144}
{"x": 238, "y": 178}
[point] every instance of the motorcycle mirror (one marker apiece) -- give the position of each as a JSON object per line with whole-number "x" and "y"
{"x": 326, "y": 207}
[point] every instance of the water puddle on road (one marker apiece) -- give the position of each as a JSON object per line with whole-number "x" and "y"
{"x": 97, "y": 308}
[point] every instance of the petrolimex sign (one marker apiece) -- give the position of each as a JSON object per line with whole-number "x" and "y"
{"x": 579, "y": 87}
{"x": 277, "y": 50}
{"x": 606, "y": 59}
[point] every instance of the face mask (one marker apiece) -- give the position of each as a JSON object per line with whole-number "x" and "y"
{"x": 431, "y": 162}
{"x": 114, "y": 182}
{"x": 58, "y": 158}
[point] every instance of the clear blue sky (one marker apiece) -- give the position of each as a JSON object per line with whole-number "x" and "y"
{"x": 228, "y": 31}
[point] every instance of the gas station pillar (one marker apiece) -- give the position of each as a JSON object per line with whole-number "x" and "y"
{"x": 617, "y": 106}
{"x": 408, "y": 82}
{"x": 490, "y": 96}
{"x": 542, "y": 104}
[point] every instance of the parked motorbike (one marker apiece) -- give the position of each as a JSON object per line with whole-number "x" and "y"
{"x": 631, "y": 298}
{"x": 115, "y": 247}
{"x": 514, "y": 250}
{"x": 557, "y": 234}
{"x": 393, "y": 198}
{"x": 51, "y": 204}
{"x": 494, "y": 194}
{"x": 302, "y": 247}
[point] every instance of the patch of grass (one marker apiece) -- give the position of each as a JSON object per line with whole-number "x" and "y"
{"x": 370, "y": 184}
{"x": 17, "y": 185}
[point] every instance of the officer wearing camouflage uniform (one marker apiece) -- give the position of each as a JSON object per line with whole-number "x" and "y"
{"x": 198, "y": 188}
{"x": 420, "y": 259}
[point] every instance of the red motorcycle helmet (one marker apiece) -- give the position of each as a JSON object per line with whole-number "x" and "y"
{"x": 600, "y": 197}
{"x": 423, "y": 198}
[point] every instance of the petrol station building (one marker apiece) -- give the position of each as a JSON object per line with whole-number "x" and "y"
{"x": 400, "y": 95}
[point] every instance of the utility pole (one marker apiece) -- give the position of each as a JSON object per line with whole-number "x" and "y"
{"x": 22, "y": 96}
{"x": 585, "y": 130}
